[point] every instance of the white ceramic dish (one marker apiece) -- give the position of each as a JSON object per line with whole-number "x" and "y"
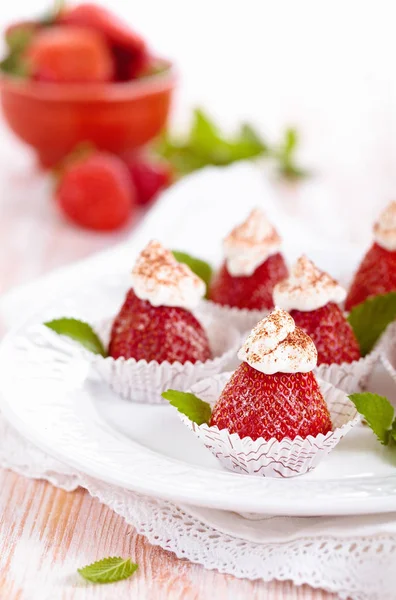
{"x": 50, "y": 395}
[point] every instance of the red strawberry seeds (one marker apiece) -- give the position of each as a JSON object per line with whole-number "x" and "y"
{"x": 159, "y": 333}
{"x": 252, "y": 292}
{"x": 331, "y": 333}
{"x": 376, "y": 275}
{"x": 283, "y": 405}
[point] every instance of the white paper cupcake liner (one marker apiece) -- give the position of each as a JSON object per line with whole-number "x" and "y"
{"x": 242, "y": 319}
{"x": 349, "y": 377}
{"x": 272, "y": 458}
{"x": 387, "y": 350}
{"x": 143, "y": 382}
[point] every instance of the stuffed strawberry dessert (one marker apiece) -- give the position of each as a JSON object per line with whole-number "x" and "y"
{"x": 274, "y": 393}
{"x": 253, "y": 265}
{"x": 377, "y": 272}
{"x": 155, "y": 322}
{"x": 312, "y": 296}
{"x": 271, "y": 417}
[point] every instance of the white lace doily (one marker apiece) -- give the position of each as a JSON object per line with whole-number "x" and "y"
{"x": 340, "y": 555}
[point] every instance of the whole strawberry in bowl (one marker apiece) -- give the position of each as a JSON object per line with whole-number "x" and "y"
{"x": 82, "y": 76}
{"x": 271, "y": 417}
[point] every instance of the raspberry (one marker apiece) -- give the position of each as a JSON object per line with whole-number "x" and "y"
{"x": 376, "y": 275}
{"x": 149, "y": 176}
{"x": 69, "y": 55}
{"x": 332, "y": 335}
{"x": 160, "y": 333}
{"x": 96, "y": 192}
{"x": 99, "y": 19}
{"x": 253, "y": 292}
{"x": 283, "y": 405}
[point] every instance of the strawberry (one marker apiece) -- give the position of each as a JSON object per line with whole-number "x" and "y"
{"x": 129, "y": 65}
{"x": 69, "y": 55}
{"x": 376, "y": 275}
{"x": 160, "y": 333}
{"x": 99, "y": 19}
{"x": 332, "y": 335}
{"x": 251, "y": 292}
{"x": 96, "y": 192}
{"x": 150, "y": 176}
{"x": 283, "y": 405}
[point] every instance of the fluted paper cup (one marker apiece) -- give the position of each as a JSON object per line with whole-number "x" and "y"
{"x": 349, "y": 377}
{"x": 287, "y": 458}
{"x": 143, "y": 382}
{"x": 387, "y": 350}
{"x": 242, "y": 319}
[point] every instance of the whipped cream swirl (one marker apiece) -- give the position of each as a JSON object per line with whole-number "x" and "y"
{"x": 385, "y": 228}
{"x": 250, "y": 244}
{"x": 276, "y": 345}
{"x": 307, "y": 288}
{"x": 160, "y": 279}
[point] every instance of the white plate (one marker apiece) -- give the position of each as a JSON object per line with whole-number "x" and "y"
{"x": 56, "y": 402}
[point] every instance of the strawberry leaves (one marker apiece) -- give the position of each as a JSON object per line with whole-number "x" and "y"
{"x": 379, "y": 414}
{"x": 191, "y": 406}
{"x": 370, "y": 319}
{"x": 108, "y": 570}
{"x": 17, "y": 39}
{"x": 201, "y": 268}
{"x": 80, "y": 332}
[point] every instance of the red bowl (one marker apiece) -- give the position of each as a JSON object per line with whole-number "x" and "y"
{"x": 54, "y": 118}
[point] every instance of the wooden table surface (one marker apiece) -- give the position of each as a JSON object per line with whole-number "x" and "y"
{"x": 45, "y": 533}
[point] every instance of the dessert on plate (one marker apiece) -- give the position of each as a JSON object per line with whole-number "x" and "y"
{"x": 274, "y": 393}
{"x": 312, "y": 297}
{"x": 377, "y": 272}
{"x": 155, "y": 322}
{"x": 272, "y": 417}
{"x": 156, "y": 341}
{"x": 253, "y": 265}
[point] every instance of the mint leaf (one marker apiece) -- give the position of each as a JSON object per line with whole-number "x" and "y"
{"x": 205, "y": 145}
{"x": 109, "y": 570}
{"x": 370, "y": 319}
{"x": 378, "y": 412}
{"x": 291, "y": 141}
{"x": 79, "y": 331}
{"x": 204, "y": 135}
{"x": 249, "y": 135}
{"x": 197, "y": 266}
{"x": 194, "y": 408}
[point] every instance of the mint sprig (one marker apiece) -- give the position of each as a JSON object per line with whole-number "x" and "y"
{"x": 197, "y": 266}
{"x": 379, "y": 414}
{"x": 205, "y": 144}
{"x": 370, "y": 319}
{"x": 108, "y": 570}
{"x": 191, "y": 406}
{"x": 80, "y": 332}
